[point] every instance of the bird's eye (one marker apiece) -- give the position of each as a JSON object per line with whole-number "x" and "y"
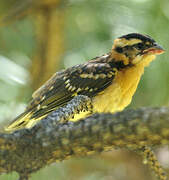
{"x": 139, "y": 46}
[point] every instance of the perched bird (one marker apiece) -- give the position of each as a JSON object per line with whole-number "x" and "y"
{"x": 109, "y": 80}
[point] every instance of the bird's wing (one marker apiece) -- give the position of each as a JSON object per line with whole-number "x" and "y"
{"x": 85, "y": 79}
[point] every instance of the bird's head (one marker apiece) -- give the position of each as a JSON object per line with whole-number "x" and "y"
{"x": 134, "y": 48}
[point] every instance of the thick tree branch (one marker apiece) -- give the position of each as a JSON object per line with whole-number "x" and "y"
{"x": 27, "y": 150}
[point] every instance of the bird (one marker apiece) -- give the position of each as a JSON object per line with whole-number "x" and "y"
{"x": 110, "y": 81}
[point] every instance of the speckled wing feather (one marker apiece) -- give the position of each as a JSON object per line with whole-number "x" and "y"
{"x": 84, "y": 79}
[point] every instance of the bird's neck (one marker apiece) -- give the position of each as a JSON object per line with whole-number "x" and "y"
{"x": 119, "y": 57}
{"x": 146, "y": 60}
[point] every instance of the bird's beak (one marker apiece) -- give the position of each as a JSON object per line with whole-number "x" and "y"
{"x": 156, "y": 49}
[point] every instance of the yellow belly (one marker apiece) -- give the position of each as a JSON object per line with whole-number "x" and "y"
{"x": 119, "y": 94}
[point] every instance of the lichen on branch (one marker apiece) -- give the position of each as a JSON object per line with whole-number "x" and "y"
{"x": 54, "y": 139}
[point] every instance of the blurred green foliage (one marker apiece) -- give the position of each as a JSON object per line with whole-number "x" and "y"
{"x": 90, "y": 28}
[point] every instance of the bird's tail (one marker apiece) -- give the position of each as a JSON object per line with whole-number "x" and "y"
{"x": 19, "y": 122}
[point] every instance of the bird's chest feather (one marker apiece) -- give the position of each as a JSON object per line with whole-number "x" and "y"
{"x": 119, "y": 94}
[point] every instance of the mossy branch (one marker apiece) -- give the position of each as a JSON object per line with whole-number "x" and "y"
{"x": 28, "y": 150}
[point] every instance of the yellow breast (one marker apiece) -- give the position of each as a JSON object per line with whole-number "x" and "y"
{"x": 119, "y": 94}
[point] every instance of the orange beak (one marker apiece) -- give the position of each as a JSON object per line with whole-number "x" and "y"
{"x": 157, "y": 49}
